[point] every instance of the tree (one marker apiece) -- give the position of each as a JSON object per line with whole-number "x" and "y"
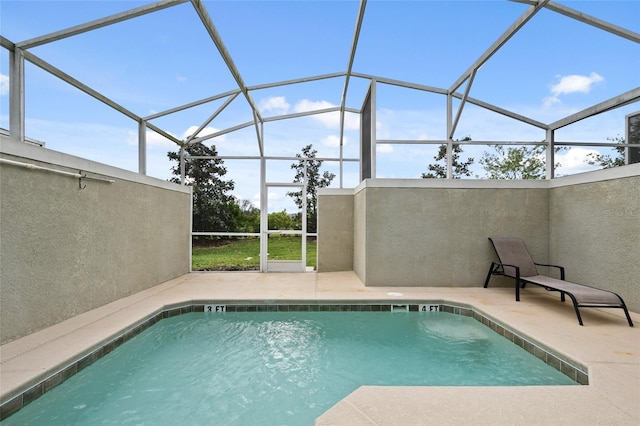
{"x": 521, "y": 162}
{"x": 315, "y": 180}
{"x": 458, "y": 168}
{"x": 280, "y": 220}
{"x": 606, "y": 161}
{"x": 249, "y": 217}
{"x": 214, "y": 210}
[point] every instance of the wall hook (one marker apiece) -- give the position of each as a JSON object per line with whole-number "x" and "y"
{"x": 82, "y": 176}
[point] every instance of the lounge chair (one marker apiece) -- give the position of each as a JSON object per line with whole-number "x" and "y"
{"x": 515, "y": 262}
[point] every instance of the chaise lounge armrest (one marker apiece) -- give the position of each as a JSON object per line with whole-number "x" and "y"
{"x": 561, "y": 268}
{"x": 498, "y": 269}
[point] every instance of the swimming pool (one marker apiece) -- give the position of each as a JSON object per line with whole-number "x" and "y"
{"x": 280, "y": 367}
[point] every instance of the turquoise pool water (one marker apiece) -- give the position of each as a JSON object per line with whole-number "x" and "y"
{"x": 284, "y": 368}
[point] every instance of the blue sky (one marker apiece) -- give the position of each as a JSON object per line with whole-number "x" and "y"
{"x": 551, "y": 68}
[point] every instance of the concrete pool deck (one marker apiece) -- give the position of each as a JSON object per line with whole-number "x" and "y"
{"x": 605, "y": 344}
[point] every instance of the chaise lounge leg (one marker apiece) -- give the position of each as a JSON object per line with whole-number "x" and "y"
{"x": 575, "y": 307}
{"x": 626, "y": 312}
{"x": 578, "y": 315}
{"x": 486, "y": 282}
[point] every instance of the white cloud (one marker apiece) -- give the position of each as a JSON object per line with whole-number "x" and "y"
{"x": 573, "y": 161}
{"x": 572, "y": 84}
{"x": 576, "y": 83}
{"x": 351, "y": 121}
{"x": 384, "y": 119}
{"x": 204, "y": 132}
{"x": 277, "y": 105}
{"x": 153, "y": 140}
{"x": 410, "y": 124}
{"x": 307, "y": 105}
{"x": 156, "y": 140}
{"x": 274, "y": 196}
{"x": 180, "y": 78}
{"x": 4, "y": 85}
{"x": 384, "y": 148}
{"x": 333, "y": 140}
{"x": 330, "y": 119}
{"x": 279, "y": 201}
{"x": 550, "y": 100}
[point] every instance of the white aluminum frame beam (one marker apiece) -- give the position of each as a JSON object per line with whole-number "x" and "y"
{"x": 211, "y": 117}
{"x": 142, "y": 147}
{"x": 192, "y": 104}
{"x": 471, "y": 71}
{"x": 223, "y": 132}
{"x": 268, "y": 119}
{"x": 274, "y": 118}
{"x": 626, "y": 98}
{"x": 352, "y": 55}
{"x": 441, "y": 91}
{"x": 93, "y": 93}
{"x": 222, "y": 49}
{"x": 463, "y": 100}
{"x": 476, "y": 142}
{"x": 302, "y": 114}
{"x": 588, "y": 19}
{"x": 510, "y": 32}
{"x": 550, "y": 160}
{"x": 202, "y": 12}
{"x": 16, "y": 95}
{"x": 502, "y": 111}
{"x": 98, "y": 23}
{"x": 295, "y": 81}
{"x": 343, "y": 98}
{"x": 267, "y": 157}
{"x": 78, "y": 85}
{"x": 163, "y": 133}
{"x": 400, "y": 83}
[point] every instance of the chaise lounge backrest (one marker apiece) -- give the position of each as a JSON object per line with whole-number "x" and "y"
{"x": 512, "y": 251}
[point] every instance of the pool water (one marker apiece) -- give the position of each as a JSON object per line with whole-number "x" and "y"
{"x": 281, "y": 368}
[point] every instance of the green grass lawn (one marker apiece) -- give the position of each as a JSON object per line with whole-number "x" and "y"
{"x": 243, "y": 254}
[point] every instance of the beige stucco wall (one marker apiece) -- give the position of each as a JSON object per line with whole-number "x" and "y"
{"x": 430, "y": 232}
{"x": 66, "y": 250}
{"x": 435, "y": 233}
{"x": 360, "y": 235}
{"x": 595, "y": 230}
{"x": 335, "y": 231}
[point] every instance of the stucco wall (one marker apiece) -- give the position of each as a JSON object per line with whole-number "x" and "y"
{"x": 437, "y": 235}
{"x": 360, "y": 235}
{"x": 434, "y": 232}
{"x": 595, "y": 231}
{"x": 66, "y": 250}
{"x": 335, "y": 231}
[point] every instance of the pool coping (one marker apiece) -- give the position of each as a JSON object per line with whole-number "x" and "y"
{"x": 12, "y": 403}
